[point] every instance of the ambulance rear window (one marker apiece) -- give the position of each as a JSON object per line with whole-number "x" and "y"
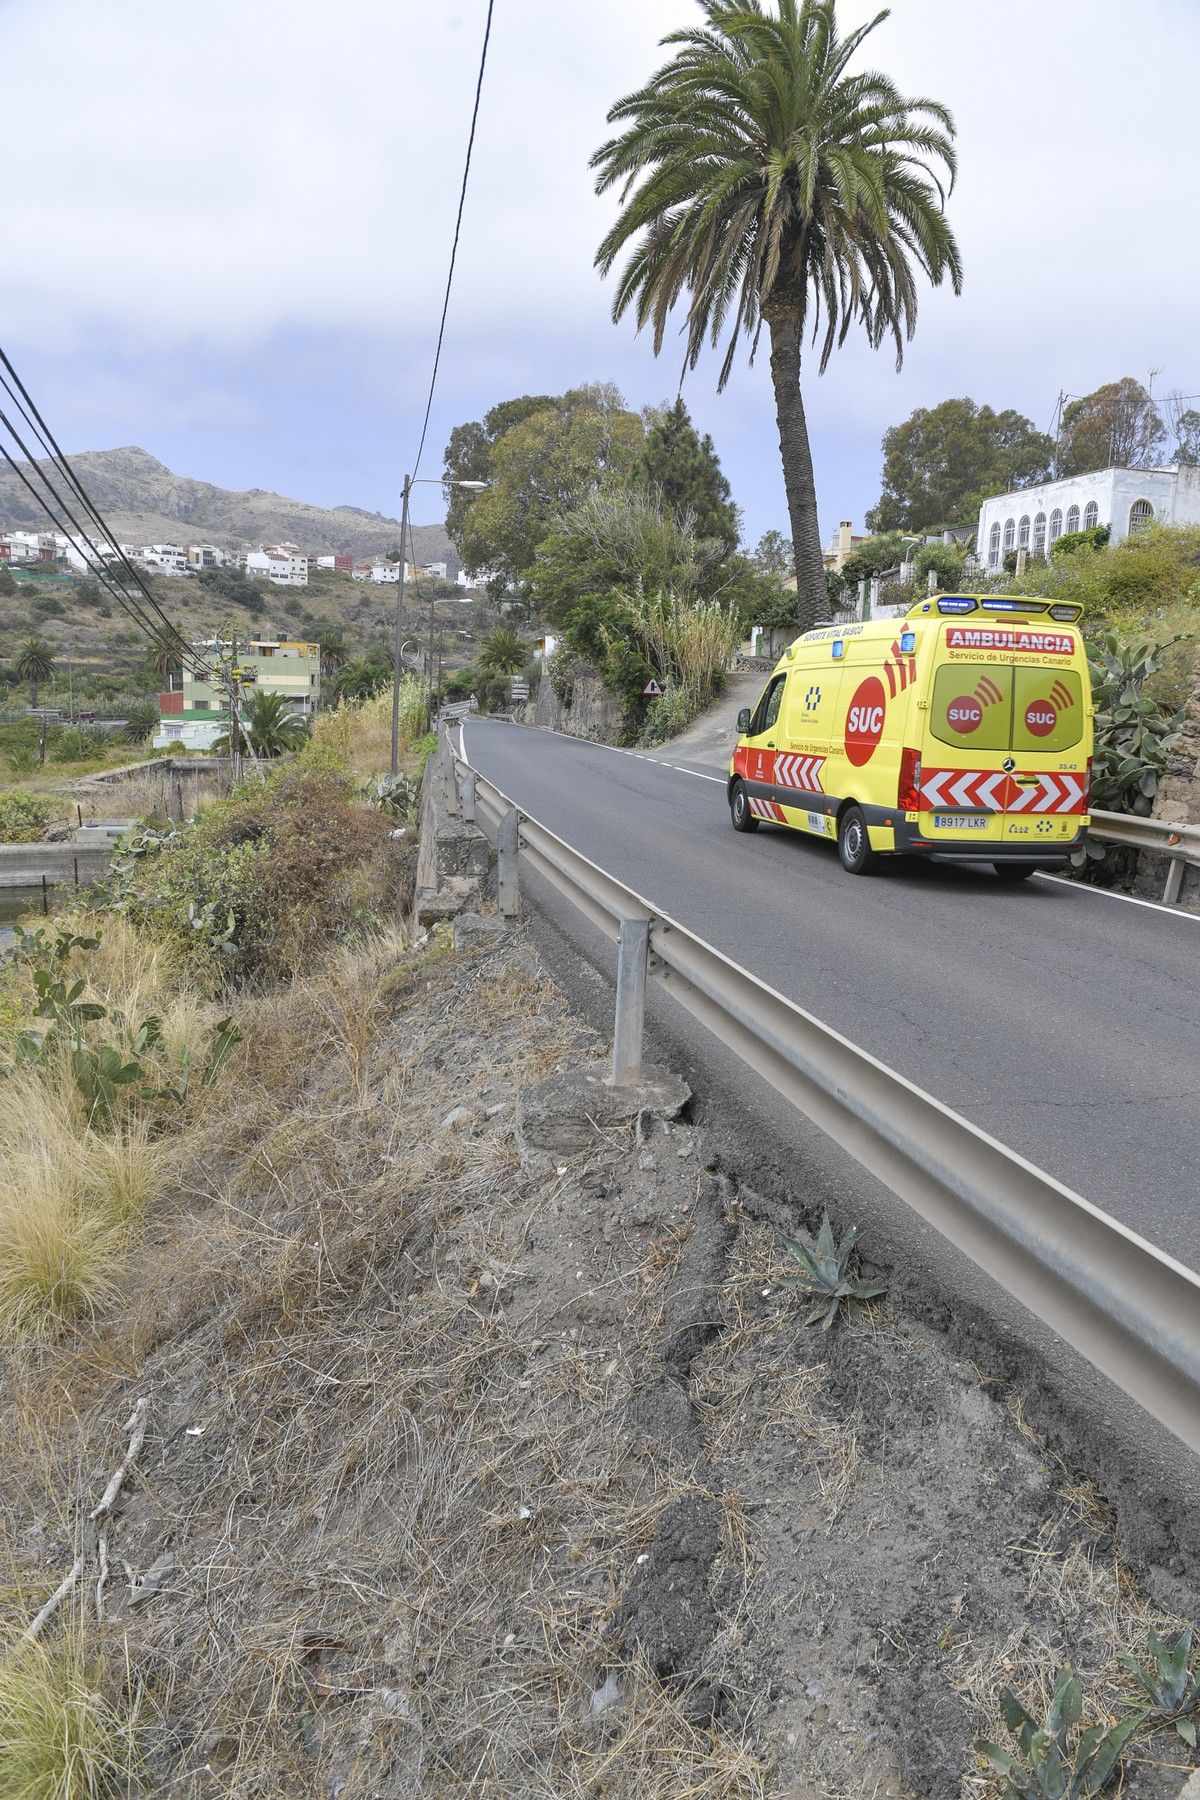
{"x": 1047, "y": 709}
{"x": 972, "y": 705}
{"x": 999, "y": 706}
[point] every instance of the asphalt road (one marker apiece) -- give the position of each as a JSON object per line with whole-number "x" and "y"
{"x": 1062, "y": 1020}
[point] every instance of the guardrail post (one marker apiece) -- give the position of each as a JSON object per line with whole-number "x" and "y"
{"x": 1174, "y": 885}
{"x": 507, "y": 841}
{"x": 445, "y": 755}
{"x": 632, "y": 948}
{"x": 466, "y": 796}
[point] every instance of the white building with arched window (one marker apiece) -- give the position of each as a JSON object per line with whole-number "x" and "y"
{"x": 1123, "y": 499}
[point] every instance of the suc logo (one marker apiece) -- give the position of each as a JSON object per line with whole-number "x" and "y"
{"x": 864, "y": 721}
{"x": 1040, "y": 718}
{"x": 964, "y": 715}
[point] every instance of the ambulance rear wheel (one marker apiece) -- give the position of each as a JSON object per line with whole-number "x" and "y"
{"x": 739, "y": 810}
{"x": 1014, "y": 872}
{"x": 854, "y": 845}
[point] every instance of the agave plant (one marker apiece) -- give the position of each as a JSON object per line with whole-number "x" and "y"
{"x": 1056, "y": 1762}
{"x": 1173, "y": 1692}
{"x": 826, "y": 1279}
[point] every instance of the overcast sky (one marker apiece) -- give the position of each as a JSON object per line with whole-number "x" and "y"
{"x": 226, "y": 228}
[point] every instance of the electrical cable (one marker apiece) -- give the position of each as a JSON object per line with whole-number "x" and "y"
{"x": 437, "y": 356}
{"x": 162, "y": 634}
{"x": 157, "y": 626}
{"x": 98, "y": 568}
{"x": 50, "y": 445}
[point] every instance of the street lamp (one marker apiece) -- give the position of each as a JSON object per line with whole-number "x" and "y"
{"x": 410, "y": 482}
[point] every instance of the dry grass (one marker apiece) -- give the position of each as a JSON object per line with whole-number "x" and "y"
{"x": 361, "y": 730}
{"x": 754, "y": 1359}
{"x": 1080, "y": 1596}
{"x": 61, "y": 1738}
{"x": 69, "y": 1201}
{"x": 403, "y": 1520}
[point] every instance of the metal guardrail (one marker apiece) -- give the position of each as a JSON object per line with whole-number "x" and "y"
{"x": 1181, "y": 843}
{"x": 1130, "y": 1309}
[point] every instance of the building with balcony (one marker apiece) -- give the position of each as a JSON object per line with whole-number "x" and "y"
{"x": 194, "y": 714}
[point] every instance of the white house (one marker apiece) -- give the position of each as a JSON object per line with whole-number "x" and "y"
{"x": 1034, "y": 518}
{"x": 279, "y": 563}
{"x": 205, "y": 556}
{"x": 170, "y": 558}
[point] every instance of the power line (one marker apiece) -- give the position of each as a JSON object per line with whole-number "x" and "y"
{"x": 99, "y": 568}
{"x": 119, "y": 593}
{"x": 47, "y": 441}
{"x": 437, "y": 356}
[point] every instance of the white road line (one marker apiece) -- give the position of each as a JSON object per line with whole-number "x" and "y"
{"x": 1084, "y": 887}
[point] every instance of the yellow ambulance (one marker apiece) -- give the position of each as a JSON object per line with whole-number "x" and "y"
{"x": 961, "y": 732}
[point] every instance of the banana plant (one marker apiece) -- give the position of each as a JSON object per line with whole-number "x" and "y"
{"x": 1173, "y": 1692}
{"x": 1056, "y": 1762}
{"x": 826, "y": 1278}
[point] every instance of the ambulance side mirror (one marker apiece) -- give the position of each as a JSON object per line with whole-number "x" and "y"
{"x": 743, "y": 721}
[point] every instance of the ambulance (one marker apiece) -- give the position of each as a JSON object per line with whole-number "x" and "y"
{"x": 961, "y": 732}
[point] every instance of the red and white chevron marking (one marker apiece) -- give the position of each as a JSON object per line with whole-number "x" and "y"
{"x": 967, "y": 788}
{"x": 766, "y": 809}
{"x": 977, "y": 790}
{"x": 803, "y": 772}
{"x": 1052, "y": 794}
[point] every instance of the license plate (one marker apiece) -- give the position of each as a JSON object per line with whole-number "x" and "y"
{"x": 960, "y": 822}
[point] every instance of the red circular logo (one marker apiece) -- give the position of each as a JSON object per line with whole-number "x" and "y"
{"x": 1040, "y": 718}
{"x": 964, "y": 715}
{"x": 864, "y": 721}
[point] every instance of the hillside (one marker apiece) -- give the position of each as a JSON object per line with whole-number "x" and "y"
{"x": 145, "y": 503}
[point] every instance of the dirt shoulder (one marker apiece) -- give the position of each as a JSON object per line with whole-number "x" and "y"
{"x": 487, "y": 1454}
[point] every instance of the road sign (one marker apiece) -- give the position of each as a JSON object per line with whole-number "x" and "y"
{"x": 520, "y": 690}
{"x": 653, "y": 690}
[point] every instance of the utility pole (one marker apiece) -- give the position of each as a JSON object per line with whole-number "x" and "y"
{"x": 429, "y": 661}
{"x": 399, "y": 635}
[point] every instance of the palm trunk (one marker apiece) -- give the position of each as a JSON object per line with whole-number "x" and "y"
{"x": 812, "y": 590}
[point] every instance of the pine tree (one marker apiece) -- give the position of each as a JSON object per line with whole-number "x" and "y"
{"x": 683, "y": 467}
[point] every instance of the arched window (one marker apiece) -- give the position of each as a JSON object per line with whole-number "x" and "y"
{"x": 1140, "y": 515}
{"x": 1072, "y": 518}
{"x": 1091, "y": 517}
{"x": 1056, "y": 525}
{"x": 1010, "y": 533}
{"x": 1023, "y": 533}
{"x": 1039, "y": 535}
{"x": 994, "y": 546}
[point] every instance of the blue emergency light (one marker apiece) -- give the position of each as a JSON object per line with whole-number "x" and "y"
{"x": 908, "y": 642}
{"x": 838, "y": 647}
{"x": 956, "y": 603}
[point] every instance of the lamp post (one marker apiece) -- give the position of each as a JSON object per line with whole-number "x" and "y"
{"x": 410, "y": 482}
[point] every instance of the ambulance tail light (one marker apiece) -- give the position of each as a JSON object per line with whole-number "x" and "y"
{"x": 909, "y": 797}
{"x": 1087, "y": 786}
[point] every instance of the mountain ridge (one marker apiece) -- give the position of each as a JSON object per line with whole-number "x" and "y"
{"x": 145, "y": 502}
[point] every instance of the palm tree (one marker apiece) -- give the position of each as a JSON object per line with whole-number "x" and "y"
{"x": 270, "y": 725}
{"x": 771, "y": 187}
{"x": 331, "y": 642}
{"x": 503, "y": 653}
{"x": 34, "y": 664}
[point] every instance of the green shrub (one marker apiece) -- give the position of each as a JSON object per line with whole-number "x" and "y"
{"x": 23, "y": 816}
{"x": 262, "y": 878}
{"x": 75, "y": 743}
{"x": 47, "y": 606}
{"x": 668, "y": 716}
{"x": 1095, "y": 538}
{"x": 946, "y": 561}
